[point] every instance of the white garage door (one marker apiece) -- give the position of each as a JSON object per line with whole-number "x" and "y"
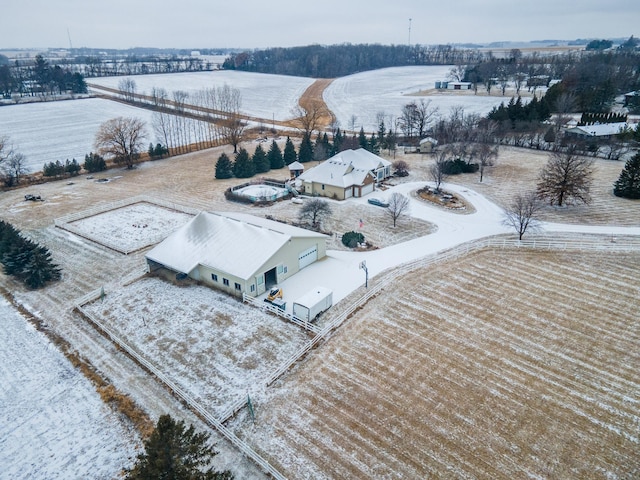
{"x": 307, "y": 257}
{"x": 367, "y": 189}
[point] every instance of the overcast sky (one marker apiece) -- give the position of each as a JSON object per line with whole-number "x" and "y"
{"x": 283, "y": 23}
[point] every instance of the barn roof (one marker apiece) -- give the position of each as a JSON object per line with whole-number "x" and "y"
{"x": 236, "y": 243}
{"x": 600, "y": 130}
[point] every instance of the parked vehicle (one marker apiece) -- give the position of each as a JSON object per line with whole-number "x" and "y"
{"x": 308, "y": 307}
{"x": 377, "y": 202}
{"x": 274, "y": 297}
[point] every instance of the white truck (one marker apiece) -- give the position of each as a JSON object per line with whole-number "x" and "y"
{"x": 313, "y": 303}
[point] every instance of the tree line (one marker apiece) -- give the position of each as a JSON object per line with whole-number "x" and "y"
{"x": 330, "y": 61}
{"x": 38, "y": 78}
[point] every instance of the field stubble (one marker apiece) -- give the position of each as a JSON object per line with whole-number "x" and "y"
{"x": 497, "y": 365}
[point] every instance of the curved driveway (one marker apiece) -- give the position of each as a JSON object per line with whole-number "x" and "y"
{"x": 340, "y": 270}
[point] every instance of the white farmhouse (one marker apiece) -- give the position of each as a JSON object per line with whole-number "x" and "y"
{"x": 351, "y": 173}
{"x": 237, "y": 253}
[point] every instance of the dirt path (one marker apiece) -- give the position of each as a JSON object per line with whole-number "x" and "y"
{"x": 311, "y": 101}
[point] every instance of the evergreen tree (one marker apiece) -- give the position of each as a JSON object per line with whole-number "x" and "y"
{"x": 338, "y": 138}
{"x": 160, "y": 151}
{"x": 275, "y": 156}
{"x": 322, "y": 147}
{"x": 94, "y": 163}
{"x": 289, "y": 156}
{"x": 260, "y": 160}
{"x": 243, "y": 166}
{"x": 628, "y": 184}
{"x": 72, "y": 167}
{"x": 177, "y": 453}
{"x": 224, "y": 167}
{"x": 381, "y": 134}
{"x": 306, "y": 149}
{"x": 362, "y": 139}
{"x": 374, "y": 146}
{"x": 151, "y": 150}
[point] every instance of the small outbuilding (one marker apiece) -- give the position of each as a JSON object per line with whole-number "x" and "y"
{"x": 296, "y": 169}
{"x": 236, "y": 252}
{"x": 427, "y": 145}
{"x": 598, "y": 130}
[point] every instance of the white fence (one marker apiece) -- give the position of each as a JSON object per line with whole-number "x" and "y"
{"x": 595, "y": 244}
{"x": 279, "y": 312}
{"x": 206, "y": 416}
{"x": 66, "y": 222}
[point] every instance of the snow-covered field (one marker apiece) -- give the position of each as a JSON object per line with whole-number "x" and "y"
{"x": 387, "y": 90}
{"x": 264, "y": 96}
{"x": 53, "y": 424}
{"x": 210, "y": 344}
{"x": 50, "y": 131}
{"x": 132, "y": 227}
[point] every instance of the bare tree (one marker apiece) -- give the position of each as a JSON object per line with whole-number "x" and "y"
{"x": 565, "y": 105}
{"x": 438, "y": 169}
{"x": 398, "y": 206}
{"x": 128, "y": 88}
{"x": 12, "y": 163}
{"x": 16, "y": 167}
{"x": 121, "y": 138}
{"x": 309, "y": 119}
{"x": 566, "y": 177}
{"x": 314, "y": 211}
{"x": 425, "y": 114}
{"x": 232, "y": 125}
{"x": 522, "y": 213}
{"x": 457, "y": 73}
{"x": 485, "y": 154}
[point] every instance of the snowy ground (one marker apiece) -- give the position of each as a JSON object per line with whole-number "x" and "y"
{"x": 387, "y": 90}
{"x": 188, "y": 181}
{"x": 264, "y": 96}
{"x": 132, "y": 227}
{"x": 54, "y": 424}
{"x": 51, "y": 131}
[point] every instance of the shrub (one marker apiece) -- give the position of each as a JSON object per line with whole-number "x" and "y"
{"x": 352, "y": 239}
{"x": 457, "y": 166}
{"x": 94, "y": 163}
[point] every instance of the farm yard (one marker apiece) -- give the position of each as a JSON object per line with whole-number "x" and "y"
{"x": 500, "y": 364}
{"x": 496, "y": 364}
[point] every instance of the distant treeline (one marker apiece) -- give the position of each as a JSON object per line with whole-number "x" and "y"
{"x": 322, "y": 61}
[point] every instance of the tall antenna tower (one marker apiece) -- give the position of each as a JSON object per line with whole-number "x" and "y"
{"x": 409, "y": 32}
{"x": 69, "y": 36}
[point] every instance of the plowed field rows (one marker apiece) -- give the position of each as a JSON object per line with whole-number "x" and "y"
{"x": 498, "y": 365}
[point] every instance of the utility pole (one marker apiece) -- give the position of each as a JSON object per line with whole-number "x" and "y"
{"x": 409, "y": 32}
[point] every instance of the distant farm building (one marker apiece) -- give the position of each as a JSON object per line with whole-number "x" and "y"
{"x": 351, "y": 173}
{"x": 598, "y": 130}
{"x": 453, "y": 85}
{"x": 427, "y": 145}
{"x": 237, "y": 253}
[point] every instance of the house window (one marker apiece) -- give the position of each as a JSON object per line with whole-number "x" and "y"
{"x": 323, "y": 186}
{"x": 253, "y": 287}
{"x": 285, "y": 269}
{"x": 279, "y": 269}
{"x": 225, "y": 281}
{"x": 214, "y": 277}
{"x": 260, "y": 280}
{"x": 238, "y": 286}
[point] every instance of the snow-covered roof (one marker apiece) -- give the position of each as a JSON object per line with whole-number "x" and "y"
{"x": 335, "y": 173}
{"x": 345, "y": 169}
{"x": 296, "y": 166}
{"x": 235, "y": 243}
{"x": 361, "y": 159}
{"x": 429, "y": 140}
{"x": 599, "y": 130}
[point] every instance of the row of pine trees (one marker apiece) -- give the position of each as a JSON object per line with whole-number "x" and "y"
{"x": 245, "y": 165}
{"x": 25, "y": 259}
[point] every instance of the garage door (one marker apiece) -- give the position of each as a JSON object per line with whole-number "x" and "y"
{"x": 307, "y": 257}
{"x": 367, "y": 189}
